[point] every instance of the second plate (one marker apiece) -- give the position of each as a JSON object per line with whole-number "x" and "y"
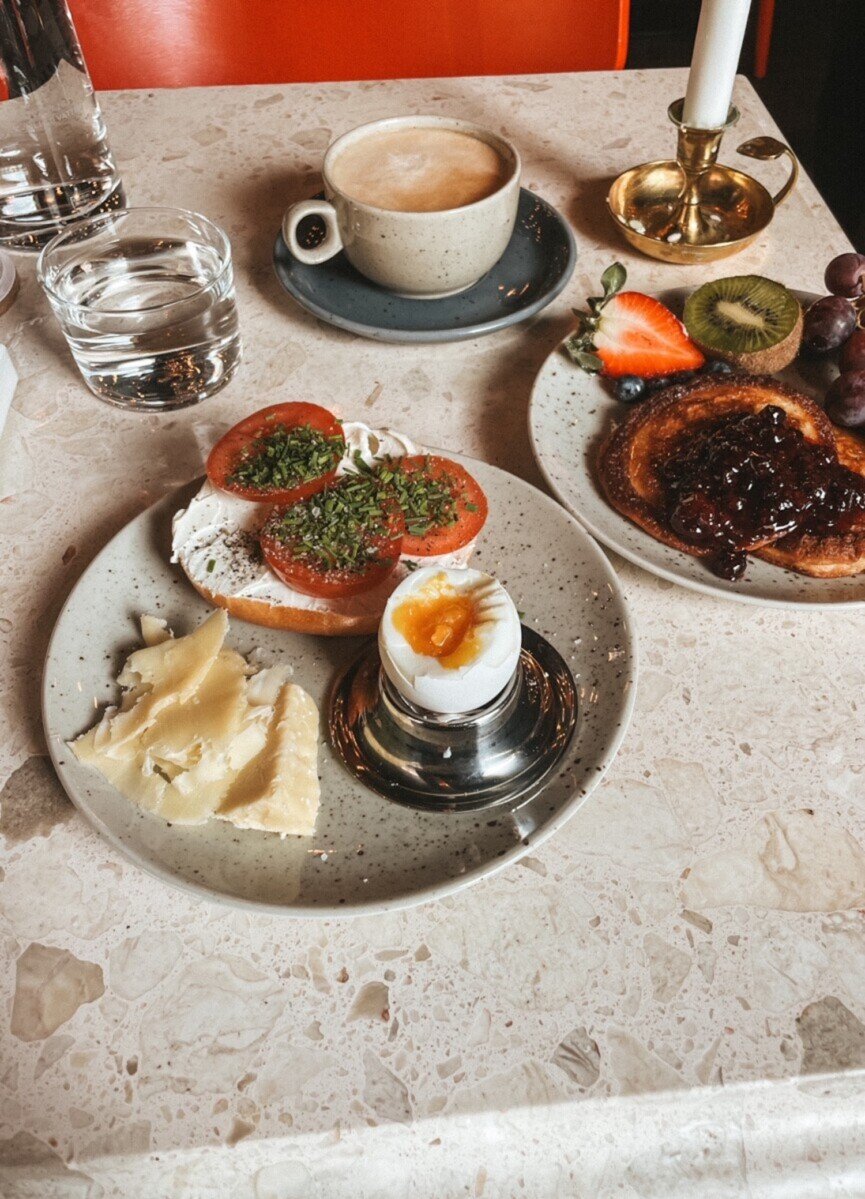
{"x": 571, "y": 414}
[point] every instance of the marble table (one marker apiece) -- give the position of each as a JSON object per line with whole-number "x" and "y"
{"x": 667, "y": 999}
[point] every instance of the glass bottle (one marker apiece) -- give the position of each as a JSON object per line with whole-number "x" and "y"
{"x": 55, "y": 162}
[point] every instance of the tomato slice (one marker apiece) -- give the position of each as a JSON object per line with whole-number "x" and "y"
{"x": 278, "y": 455}
{"x": 444, "y": 506}
{"x": 345, "y": 540}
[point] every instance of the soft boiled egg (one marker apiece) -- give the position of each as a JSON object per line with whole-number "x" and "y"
{"x": 450, "y": 639}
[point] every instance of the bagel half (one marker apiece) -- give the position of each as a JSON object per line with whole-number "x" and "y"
{"x": 214, "y": 540}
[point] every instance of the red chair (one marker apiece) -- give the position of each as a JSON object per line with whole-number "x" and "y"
{"x": 181, "y": 43}
{"x": 763, "y": 44}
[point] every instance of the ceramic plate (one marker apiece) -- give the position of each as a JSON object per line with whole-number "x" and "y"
{"x": 368, "y": 854}
{"x": 535, "y": 267}
{"x": 570, "y": 415}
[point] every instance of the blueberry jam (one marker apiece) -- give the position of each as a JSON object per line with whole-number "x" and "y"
{"x": 741, "y": 481}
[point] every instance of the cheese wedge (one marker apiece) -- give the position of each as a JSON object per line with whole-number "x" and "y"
{"x": 162, "y": 674}
{"x": 129, "y": 774}
{"x": 278, "y": 789}
{"x": 154, "y": 630}
{"x": 212, "y": 716}
{"x": 197, "y": 734}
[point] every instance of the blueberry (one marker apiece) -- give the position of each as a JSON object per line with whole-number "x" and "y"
{"x": 718, "y": 367}
{"x": 658, "y": 383}
{"x": 630, "y": 388}
{"x": 729, "y": 564}
{"x": 683, "y": 377}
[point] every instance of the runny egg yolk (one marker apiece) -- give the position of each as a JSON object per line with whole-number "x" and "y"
{"x": 441, "y": 625}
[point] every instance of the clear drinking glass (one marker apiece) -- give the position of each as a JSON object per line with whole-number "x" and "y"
{"x": 145, "y": 297}
{"x": 55, "y": 162}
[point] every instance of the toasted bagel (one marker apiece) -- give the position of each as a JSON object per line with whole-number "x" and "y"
{"x": 630, "y": 459}
{"x": 214, "y": 539}
{"x": 327, "y": 623}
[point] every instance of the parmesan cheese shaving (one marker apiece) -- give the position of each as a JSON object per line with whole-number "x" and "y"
{"x": 198, "y": 734}
{"x": 278, "y": 789}
{"x": 160, "y": 675}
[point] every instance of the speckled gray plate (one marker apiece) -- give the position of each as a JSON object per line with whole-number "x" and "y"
{"x": 570, "y": 415}
{"x": 535, "y": 267}
{"x": 368, "y": 854}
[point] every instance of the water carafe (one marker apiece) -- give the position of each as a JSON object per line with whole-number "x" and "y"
{"x": 55, "y": 162}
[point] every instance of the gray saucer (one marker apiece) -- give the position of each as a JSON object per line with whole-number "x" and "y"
{"x": 533, "y": 270}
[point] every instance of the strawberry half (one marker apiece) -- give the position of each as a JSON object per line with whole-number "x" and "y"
{"x": 627, "y": 333}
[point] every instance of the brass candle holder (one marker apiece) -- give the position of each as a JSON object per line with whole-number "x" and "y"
{"x": 693, "y": 208}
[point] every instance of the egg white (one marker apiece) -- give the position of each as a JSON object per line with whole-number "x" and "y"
{"x": 421, "y": 678}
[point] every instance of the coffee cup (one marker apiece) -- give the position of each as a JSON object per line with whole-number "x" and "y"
{"x": 422, "y": 206}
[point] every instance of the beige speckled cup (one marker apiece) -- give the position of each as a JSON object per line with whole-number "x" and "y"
{"x": 422, "y": 255}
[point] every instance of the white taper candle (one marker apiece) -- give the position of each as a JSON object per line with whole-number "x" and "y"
{"x": 720, "y": 32}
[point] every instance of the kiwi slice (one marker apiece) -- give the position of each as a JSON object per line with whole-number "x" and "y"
{"x": 747, "y": 320}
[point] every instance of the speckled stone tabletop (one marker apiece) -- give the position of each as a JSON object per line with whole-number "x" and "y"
{"x": 668, "y": 999}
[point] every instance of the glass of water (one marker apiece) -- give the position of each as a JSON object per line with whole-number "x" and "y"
{"x": 145, "y": 297}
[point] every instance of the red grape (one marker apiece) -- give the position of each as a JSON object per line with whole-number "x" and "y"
{"x": 845, "y": 275}
{"x": 828, "y": 324}
{"x": 845, "y": 400}
{"x": 853, "y": 353}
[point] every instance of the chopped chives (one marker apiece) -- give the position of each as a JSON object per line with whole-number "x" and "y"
{"x": 286, "y": 458}
{"x": 337, "y": 528}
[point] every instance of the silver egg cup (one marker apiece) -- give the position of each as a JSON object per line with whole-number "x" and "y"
{"x": 501, "y": 753}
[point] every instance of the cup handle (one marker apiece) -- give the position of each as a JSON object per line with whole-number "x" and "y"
{"x": 332, "y": 243}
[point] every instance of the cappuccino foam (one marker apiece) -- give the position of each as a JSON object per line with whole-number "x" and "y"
{"x": 419, "y": 170}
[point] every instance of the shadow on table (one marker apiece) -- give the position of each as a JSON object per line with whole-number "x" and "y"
{"x": 587, "y": 212}
{"x": 32, "y": 331}
{"x": 266, "y": 199}
{"x": 519, "y": 355}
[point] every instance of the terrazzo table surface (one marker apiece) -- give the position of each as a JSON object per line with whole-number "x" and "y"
{"x": 668, "y": 999}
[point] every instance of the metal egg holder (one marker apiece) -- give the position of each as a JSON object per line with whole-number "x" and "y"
{"x": 502, "y": 753}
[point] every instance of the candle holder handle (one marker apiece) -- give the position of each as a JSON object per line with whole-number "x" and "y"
{"x": 765, "y": 149}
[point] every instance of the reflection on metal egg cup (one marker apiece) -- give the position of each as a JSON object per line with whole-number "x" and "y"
{"x": 503, "y": 753}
